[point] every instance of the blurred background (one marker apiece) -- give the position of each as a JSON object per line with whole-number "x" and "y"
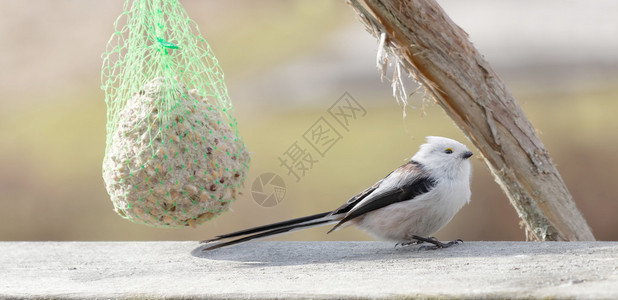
{"x": 286, "y": 63}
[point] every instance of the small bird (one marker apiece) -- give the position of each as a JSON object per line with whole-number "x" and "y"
{"x": 407, "y": 206}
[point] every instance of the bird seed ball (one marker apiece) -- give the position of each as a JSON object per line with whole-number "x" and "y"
{"x": 180, "y": 175}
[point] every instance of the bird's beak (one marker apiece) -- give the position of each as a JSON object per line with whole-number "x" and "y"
{"x": 466, "y": 155}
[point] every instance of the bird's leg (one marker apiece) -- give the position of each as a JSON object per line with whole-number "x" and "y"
{"x": 436, "y": 243}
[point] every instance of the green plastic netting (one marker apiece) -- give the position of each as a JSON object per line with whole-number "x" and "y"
{"x": 173, "y": 155}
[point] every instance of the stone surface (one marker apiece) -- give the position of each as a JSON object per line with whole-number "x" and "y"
{"x": 308, "y": 270}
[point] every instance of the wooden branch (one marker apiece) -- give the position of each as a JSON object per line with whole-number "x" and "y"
{"x": 429, "y": 45}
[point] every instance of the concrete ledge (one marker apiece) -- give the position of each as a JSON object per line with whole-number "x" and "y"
{"x": 308, "y": 270}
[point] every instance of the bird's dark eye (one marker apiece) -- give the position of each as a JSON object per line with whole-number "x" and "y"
{"x": 448, "y": 151}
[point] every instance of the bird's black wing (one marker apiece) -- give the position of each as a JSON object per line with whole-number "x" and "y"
{"x": 420, "y": 184}
{"x": 346, "y": 207}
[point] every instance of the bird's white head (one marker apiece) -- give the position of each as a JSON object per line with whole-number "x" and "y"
{"x": 444, "y": 157}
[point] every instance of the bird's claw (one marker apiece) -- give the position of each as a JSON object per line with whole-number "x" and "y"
{"x": 440, "y": 245}
{"x": 409, "y": 243}
{"x": 432, "y": 240}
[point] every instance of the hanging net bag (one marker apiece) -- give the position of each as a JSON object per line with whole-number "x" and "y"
{"x": 173, "y": 155}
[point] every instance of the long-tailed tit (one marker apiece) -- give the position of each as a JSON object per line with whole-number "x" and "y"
{"x": 407, "y": 206}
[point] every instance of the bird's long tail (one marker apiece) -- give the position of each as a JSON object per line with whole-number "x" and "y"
{"x": 270, "y": 230}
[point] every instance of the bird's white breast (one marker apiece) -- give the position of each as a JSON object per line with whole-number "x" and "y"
{"x": 421, "y": 216}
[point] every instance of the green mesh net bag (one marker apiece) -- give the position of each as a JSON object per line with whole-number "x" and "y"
{"x": 173, "y": 156}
